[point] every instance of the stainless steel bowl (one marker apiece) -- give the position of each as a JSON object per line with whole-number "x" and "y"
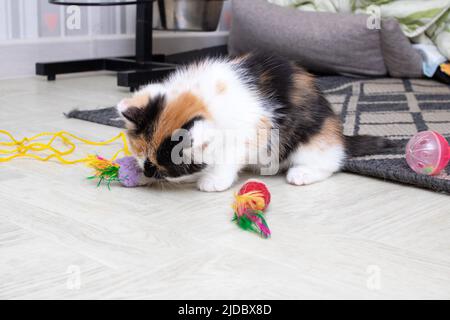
{"x": 193, "y": 15}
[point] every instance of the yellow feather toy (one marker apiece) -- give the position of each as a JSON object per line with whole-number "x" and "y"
{"x": 42, "y": 147}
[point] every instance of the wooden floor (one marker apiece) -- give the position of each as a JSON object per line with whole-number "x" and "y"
{"x": 61, "y": 237}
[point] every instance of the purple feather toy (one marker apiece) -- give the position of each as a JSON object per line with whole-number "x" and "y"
{"x": 124, "y": 170}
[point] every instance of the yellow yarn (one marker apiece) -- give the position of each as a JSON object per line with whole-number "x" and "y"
{"x": 24, "y": 148}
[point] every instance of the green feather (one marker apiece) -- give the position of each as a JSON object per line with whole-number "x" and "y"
{"x": 245, "y": 223}
{"x": 109, "y": 175}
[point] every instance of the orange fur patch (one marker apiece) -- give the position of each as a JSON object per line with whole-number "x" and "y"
{"x": 138, "y": 145}
{"x": 265, "y": 78}
{"x": 221, "y": 87}
{"x": 302, "y": 88}
{"x": 264, "y": 124}
{"x": 175, "y": 114}
{"x": 330, "y": 134}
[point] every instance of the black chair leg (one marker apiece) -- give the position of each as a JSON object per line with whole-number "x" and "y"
{"x": 162, "y": 13}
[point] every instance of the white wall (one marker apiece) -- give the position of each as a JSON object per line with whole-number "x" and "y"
{"x": 32, "y": 19}
{"x": 34, "y": 30}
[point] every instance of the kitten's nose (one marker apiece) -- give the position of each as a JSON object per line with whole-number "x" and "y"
{"x": 149, "y": 169}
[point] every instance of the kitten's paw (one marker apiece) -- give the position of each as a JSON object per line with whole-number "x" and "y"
{"x": 213, "y": 184}
{"x": 306, "y": 175}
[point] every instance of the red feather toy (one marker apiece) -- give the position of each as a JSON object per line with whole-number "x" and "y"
{"x": 249, "y": 205}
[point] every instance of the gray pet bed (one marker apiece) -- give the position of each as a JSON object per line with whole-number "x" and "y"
{"x": 329, "y": 43}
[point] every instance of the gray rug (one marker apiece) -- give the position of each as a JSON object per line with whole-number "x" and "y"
{"x": 393, "y": 108}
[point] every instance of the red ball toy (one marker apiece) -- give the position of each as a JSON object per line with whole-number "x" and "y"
{"x": 250, "y": 203}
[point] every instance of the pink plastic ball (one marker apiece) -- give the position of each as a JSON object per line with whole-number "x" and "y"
{"x": 427, "y": 153}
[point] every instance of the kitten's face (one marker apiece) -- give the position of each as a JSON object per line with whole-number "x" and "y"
{"x": 159, "y": 133}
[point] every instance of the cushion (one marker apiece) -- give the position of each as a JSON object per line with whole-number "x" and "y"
{"x": 321, "y": 41}
{"x": 401, "y": 59}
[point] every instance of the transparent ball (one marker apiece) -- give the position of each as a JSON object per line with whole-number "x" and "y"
{"x": 427, "y": 153}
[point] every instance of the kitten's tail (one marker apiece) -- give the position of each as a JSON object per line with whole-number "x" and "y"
{"x": 364, "y": 145}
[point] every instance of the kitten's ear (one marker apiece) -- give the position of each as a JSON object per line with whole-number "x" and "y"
{"x": 133, "y": 116}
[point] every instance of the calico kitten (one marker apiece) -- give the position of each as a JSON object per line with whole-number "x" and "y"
{"x": 242, "y": 96}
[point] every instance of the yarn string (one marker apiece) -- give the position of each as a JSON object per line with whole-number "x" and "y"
{"x": 28, "y": 147}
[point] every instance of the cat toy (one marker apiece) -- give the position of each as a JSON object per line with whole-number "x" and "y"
{"x": 35, "y": 148}
{"x": 124, "y": 170}
{"x": 427, "y": 153}
{"x": 249, "y": 205}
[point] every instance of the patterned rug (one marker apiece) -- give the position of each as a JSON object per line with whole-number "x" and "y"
{"x": 394, "y": 108}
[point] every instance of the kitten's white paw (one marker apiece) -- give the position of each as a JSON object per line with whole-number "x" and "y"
{"x": 213, "y": 184}
{"x": 302, "y": 175}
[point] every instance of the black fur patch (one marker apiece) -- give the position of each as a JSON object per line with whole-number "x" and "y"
{"x": 164, "y": 153}
{"x": 275, "y": 79}
{"x": 149, "y": 169}
{"x": 152, "y": 113}
{"x": 357, "y": 146}
{"x": 270, "y": 74}
{"x": 134, "y": 115}
{"x": 145, "y": 118}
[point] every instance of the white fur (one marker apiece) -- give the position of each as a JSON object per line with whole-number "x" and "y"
{"x": 311, "y": 164}
{"x": 237, "y": 110}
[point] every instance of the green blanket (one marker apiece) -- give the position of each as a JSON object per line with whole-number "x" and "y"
{"x": 422, "y": 21}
